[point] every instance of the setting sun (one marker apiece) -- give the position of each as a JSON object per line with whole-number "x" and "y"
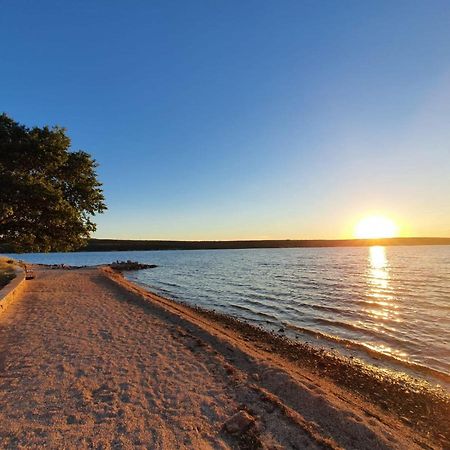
{"x": 376, "y": 227}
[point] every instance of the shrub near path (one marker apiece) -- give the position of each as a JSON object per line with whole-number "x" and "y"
{"x": 7, "y": 272}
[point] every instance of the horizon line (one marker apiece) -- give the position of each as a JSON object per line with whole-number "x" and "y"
{"x": 264, "y": 239}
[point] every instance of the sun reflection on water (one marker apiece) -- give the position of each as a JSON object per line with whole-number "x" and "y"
{"x": 377, "y": 257}
{"x": 378, "y": 274}
{"x": 383, "y": 310}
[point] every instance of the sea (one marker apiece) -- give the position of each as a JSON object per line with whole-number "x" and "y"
{"x": 386, "y": 305}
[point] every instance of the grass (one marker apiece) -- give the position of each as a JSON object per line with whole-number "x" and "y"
{"x": 7, "y": 272}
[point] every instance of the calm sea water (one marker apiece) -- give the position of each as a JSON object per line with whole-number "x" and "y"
{"x": 390, "y": 303}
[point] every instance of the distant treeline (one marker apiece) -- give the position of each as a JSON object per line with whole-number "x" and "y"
{"x": 103, "y": 245}
{"x": 96, "y": 245}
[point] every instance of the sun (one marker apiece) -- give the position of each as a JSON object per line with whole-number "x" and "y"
{"x": 374, "y": 227}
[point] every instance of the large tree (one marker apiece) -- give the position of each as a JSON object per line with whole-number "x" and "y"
{"x": 48, "y": 193}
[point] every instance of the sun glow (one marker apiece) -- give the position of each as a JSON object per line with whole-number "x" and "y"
{"x": 376, "y": 227}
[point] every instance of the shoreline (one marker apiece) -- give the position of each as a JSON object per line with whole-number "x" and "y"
{"x": 362, "y": 352}
{"x": 89, "y": 359}
{"x": 400, "y": 353}
{"x": 418, "y": 403}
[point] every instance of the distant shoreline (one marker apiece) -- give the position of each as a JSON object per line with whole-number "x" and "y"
{"x": 107, "y": 245}
{"x": 128, "y": 245}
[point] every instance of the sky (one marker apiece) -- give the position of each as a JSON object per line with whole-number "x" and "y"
{"x": 243, "y": 119}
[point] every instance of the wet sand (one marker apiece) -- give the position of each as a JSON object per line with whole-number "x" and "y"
{"x": 88, "y": 360}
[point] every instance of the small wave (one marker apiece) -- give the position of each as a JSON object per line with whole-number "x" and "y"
{"x": 366, "y": 348}
{"x": 359, "y": 329}
{"x": 166, "y": 283}
{"x": 256, "y": 313}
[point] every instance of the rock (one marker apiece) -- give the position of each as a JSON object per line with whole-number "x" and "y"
{"x": 229, "y": 369}
{"x": 72, "y": 420}
{"x": 239, "y": 423}
{"x": 269, "y": 407}
{"x": 130, "y": 265}
{"x": 255, "y": 376}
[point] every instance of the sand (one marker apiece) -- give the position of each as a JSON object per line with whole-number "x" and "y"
{"x": 89, "y": 361}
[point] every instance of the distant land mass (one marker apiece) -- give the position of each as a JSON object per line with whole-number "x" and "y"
{"x": 106, "y": 245}
{"x": 96, "y": 245}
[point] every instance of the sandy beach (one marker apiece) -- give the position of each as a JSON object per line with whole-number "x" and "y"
{"x": 88, "y": 360}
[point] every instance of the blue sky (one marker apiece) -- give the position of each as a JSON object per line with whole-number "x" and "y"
{"x": 243, "y": 119}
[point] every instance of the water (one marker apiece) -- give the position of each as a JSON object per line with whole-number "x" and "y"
{"x": 390, "y": 303}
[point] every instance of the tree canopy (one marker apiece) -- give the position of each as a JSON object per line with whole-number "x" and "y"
{"x": 48, "y": 193}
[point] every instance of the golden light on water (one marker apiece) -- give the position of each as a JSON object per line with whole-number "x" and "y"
{"x": 378, "y": 274}
{"x": 383, "y": 311}
{"x": 374, "y": 227}
{"x": 377, "y": 258}
{"x": 380, "y": 290}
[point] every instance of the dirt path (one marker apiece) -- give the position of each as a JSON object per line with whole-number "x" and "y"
{"x": 85, "y": 365}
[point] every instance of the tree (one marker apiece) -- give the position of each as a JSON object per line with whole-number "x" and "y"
{"x": 48, "y": 194}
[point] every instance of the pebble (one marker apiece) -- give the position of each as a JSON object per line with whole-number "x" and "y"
{"x": 239, "y": 423}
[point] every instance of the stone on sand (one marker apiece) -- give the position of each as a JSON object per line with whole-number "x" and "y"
{"x": 239, "y": 423}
